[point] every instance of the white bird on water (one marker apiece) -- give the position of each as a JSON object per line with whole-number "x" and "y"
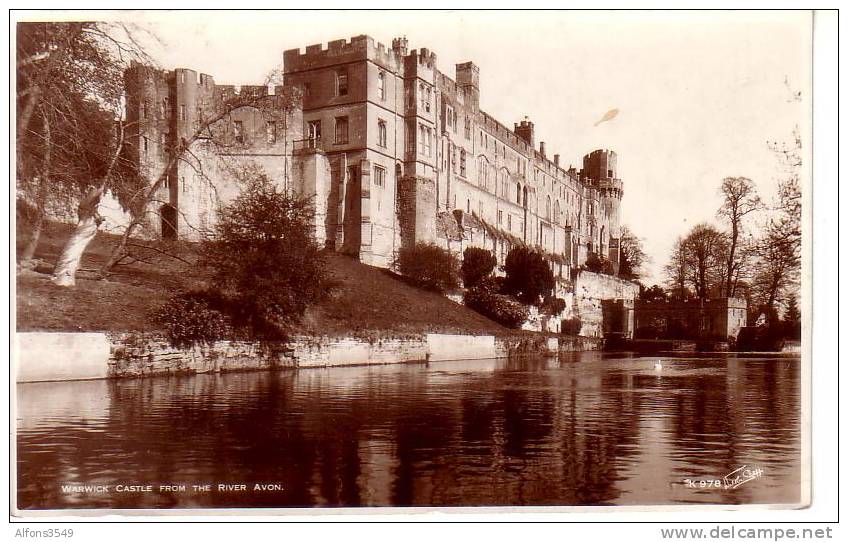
{"x": 658, "y": 365}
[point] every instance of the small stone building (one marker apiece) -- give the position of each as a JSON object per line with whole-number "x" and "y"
{"x": 718, "y": 319}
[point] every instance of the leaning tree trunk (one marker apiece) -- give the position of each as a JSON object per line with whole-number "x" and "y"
{"x": 64, "y": 274}
{"x": 66, "y": 268}
{"x": 40, "y": 197}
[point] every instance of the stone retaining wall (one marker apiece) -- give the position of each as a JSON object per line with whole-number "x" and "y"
{"x": 83, "y": 356}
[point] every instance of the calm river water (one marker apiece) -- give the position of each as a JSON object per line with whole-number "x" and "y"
{"x": 590, "y": 428}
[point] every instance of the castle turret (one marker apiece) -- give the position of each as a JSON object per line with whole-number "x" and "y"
{"x": 525, "y": 131}
{"x": 600, "y": 171}
{"x": 400, "y": 46}
{"x": 468, "y": 79}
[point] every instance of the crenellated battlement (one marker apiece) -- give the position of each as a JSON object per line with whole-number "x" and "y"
{"x": 341, "y": 51}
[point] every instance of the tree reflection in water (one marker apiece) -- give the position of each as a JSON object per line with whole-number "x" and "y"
{"x": 585, "y": 429}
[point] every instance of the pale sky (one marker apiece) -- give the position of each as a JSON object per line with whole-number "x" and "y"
{"x": 699, "y": 93}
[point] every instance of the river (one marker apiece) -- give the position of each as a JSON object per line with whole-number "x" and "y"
{"x": 586, "y": 429}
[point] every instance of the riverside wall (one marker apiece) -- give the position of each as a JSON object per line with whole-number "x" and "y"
{"x": 43, "y": 357}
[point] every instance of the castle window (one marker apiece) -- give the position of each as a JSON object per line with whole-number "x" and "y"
{"x": 341, "y": 82}
{"x": 381, "y": 133}
{"x": 500, "y": 216}
{"x": 462, "y": 162}
{"x": 182, "y": 77}
{"x": 145, "y": 145}
{"x": 509, "y": 222}
{"x": 609, "y": 173}
{"x": 480, "y": 208}
{"x": 341, "y": 130}
{"x": 548, "y": 208}
{"x": 467, "y": 127}
{"x": 307, "y": 89}
{"x": 238, "y": 131}
{"x": 482, "y": 172}
{"x": 379, "y": 176}
{"x": 143, "y": 110}
{"x": 271, "y": 131}
{"x": 314, "y": 131}
{"x": 556, "y": 212}
{"x": 163, "y": 108}
{"x": 183, "y": 112}
{"x": 468, "y": 206}
{"x": 381, "y": 85}
{"x": 424, "y": 140}
{"x": 424, "y": 92}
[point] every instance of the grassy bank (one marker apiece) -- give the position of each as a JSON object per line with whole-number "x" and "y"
{"x": 365, "y": 299}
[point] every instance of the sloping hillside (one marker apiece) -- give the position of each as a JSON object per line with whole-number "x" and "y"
{"x": 364, "y": 299}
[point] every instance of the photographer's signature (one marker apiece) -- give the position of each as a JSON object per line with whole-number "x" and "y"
{"x": 731, "y": 480}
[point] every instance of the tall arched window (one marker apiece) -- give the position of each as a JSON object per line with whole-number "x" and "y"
{"x": 548, "y": 207}
{"x": 518, "y": 193}
{"x": 601, "y": 242}
{"x": 381, "y": 85}
{"x": 556, "y": 212}
{"x": 482, "y": 172}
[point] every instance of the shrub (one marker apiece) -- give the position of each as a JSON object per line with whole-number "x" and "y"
{"x": 571, "y": 326}
{"x": 553, "y": 305}
{"x": 193, "y": 318}
{"x": 528, "y": 276}
{"x": 429, "y": 266}
{"x": 477, "y": 263}
{"x": 598, "y": 264}
{"x": 265, "y": 262}
{"x": 485, "y": 299}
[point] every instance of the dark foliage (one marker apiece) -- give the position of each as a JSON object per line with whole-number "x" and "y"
{"x": 571, "y": 326}
{"x": 194, "y": 318}
{"x": 792, "y": 319}
{"x": 486, "y": 299}
{"x": 477, "y": 263}
{"x": 264, "y": 260}
{"x": 599, "y": 264}
{"x": 553, "y": 305}
{"x": 428, "y": 266}
{"x": 528, "y": 276}
{"x": 653, "y": 293}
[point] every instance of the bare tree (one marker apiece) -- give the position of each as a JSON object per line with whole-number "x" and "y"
{"x": 779, "y": 252}
{"x": 739, "y": 200}
{"x": 675, "y": 271}
{"x": 705, "y": 249}
{"x": 631, "y": 254}
{"x": 71, "y": 73}
{"x": 697, "y": 260}
{"x": 778, "y": 265}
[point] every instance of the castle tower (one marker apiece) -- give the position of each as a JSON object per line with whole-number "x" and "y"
{"x": 600, "y": 168}
{"x": 468, "y": 79}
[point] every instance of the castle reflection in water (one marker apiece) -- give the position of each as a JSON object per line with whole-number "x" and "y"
{"x": 586, "y": 429}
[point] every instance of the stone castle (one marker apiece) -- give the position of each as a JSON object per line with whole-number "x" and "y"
{"x": 392, "y": 150}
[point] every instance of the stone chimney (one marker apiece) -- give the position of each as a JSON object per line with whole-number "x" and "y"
{"x": 556, "y": 160}
{"x": 542, "y": 148}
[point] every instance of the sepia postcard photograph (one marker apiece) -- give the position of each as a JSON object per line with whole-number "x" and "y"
{"x": 277, "y": 261}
